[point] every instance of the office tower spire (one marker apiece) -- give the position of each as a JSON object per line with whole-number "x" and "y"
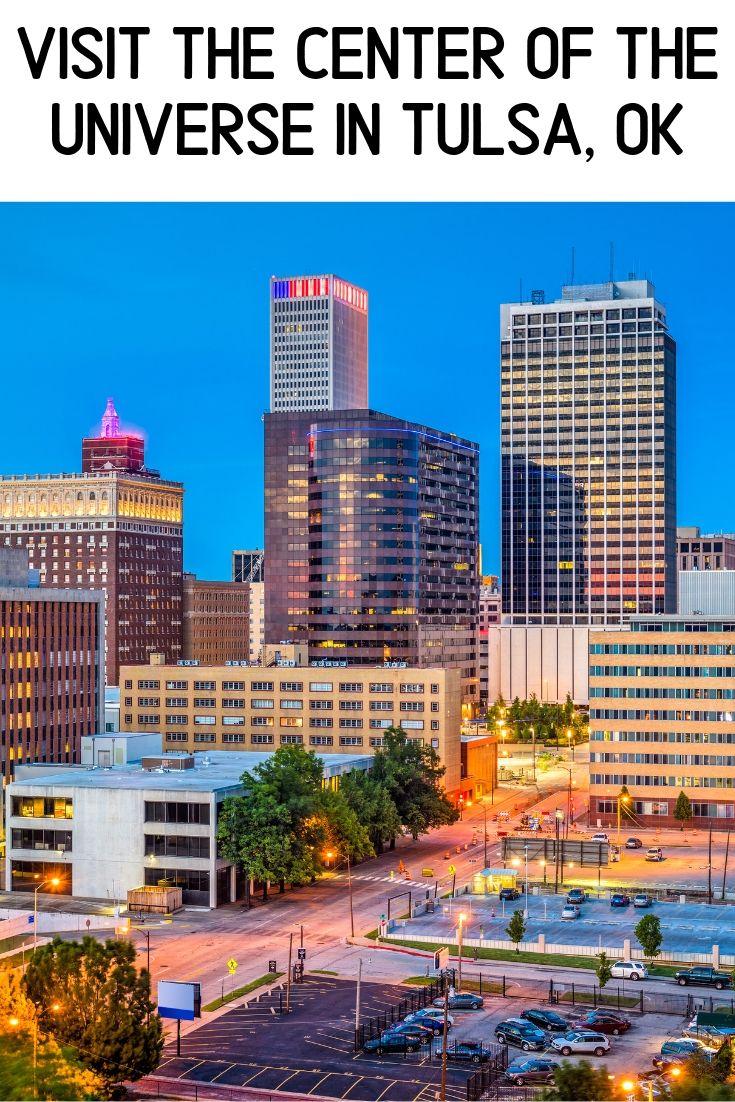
{"x": 110, "y": 421}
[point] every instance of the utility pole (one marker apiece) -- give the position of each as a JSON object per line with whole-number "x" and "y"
{"x": 709, "y": 868}
{"x": 460, "y": 931}
{"x": 288, "y": 978}
{"x": 556, "y": 855}
{"x": 357, "y": 997}
{"x": 484, "y": 813}
{"x": 533, "y": 754}
{"x": 443, "y": 1090}
{"x": 724, "y": 871}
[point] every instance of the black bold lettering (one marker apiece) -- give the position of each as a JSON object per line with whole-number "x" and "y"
{"x": 533, "y": 141}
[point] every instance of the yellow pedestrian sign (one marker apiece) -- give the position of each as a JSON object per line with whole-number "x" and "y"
{"x": 232, "y": 966}
{"x": 452, "y": 869}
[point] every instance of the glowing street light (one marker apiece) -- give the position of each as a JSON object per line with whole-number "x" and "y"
{"x": 461, "y": 919}
{"x": 53, "y": 880}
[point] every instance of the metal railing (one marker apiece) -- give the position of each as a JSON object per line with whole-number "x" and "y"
{"x": 415, "y": 999}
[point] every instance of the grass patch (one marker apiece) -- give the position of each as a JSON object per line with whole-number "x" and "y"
{"x": 324, "y": 972}
{"x": 13, "y": 942}
{"x": 240, "y": 991}
{"x": 418, "y": 981}
{"x": 500, "y": 954}
{"x": 623, "y": 1000}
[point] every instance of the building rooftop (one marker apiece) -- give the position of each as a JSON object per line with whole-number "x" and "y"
{"x": 216, "y": 770}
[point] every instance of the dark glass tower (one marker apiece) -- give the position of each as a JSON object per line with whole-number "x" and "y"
{"x": 371, "y": 529}
{"x": 588, "y": 465}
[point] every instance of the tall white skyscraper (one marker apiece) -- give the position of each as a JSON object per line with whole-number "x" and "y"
{"x": 319, "y": 344}
{"x": 588, "y": 412}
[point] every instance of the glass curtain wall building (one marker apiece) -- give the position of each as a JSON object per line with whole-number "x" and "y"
{"x": 371, "y": 525}
{"x": 588, "y": 476}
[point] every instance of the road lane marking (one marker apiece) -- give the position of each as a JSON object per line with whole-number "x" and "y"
{"x": 356, "y": 1083}
{"x": 222, "y": 1073}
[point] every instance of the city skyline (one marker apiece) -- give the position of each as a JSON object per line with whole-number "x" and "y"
{"x": 128, "y": 293}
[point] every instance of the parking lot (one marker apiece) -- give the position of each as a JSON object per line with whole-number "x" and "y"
{"x": 692, "y": 927}
{"x": 311, "y": 1050}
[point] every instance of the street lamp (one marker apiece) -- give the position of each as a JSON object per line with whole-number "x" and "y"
{"x": 622, "y": 798}
{"x": 570, "y": 739}
{"x": 345, "y": 853}
{"x": 50, "y": 880}
{"x": 558, "y": 820}
{"x": 525, "y": 909}
{"x": 533, "y": 754}
{"x": 460, "y": 929}
{"x": 542, "y": 863}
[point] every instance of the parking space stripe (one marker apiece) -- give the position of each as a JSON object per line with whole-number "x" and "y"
{"x": 357, "y": 1081}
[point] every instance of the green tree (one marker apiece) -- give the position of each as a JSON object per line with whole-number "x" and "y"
{"x": 516, "y": 929}
{"x": 683, "y": 809}
{"x": 342, "y": 828}
{"x": 411, "y": 773}
{"x": 276, "y": 831}
{"x": 603, "y": 969}
{"x": 648, "y": 933}
{"x": 575, "y": 1082}
{"x": 59, "y": 1075}
{"x": 104, "y": 1005}
{"x": 373, "y": 806}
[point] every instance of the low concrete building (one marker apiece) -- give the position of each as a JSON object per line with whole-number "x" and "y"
{"x": 325, "y": 706}
{"x": 105, "y": 830}
{"x": 662, "y": 719}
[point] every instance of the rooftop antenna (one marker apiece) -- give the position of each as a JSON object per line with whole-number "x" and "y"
{"x": 612, "y": 262}
{"x": 520, "y": 291}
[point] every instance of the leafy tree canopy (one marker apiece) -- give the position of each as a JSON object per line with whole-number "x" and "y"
{"x": 90, "y": 995}
{"x": 573, "y": 1082}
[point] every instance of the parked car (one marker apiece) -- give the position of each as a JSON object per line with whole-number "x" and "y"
{"x": 473, "y": 1052}
{"x": 570, "y": 911}
{"x": 655, "y": 853}
{"x": 434, "y": 1025}
{"x": 521, "y": 1034}
{"x": 532, "y": 1069}
{"x": 581, "y": 1040}
{"x": 509, "y": 894}
{"x": 576, "y": 895}
{"x": 619, "y": 899}
{"x": 392, "y": 1041}
{"x": 678, "y": 1051}
{"x": 603, "y": 1022}
{"x": 423, "y": 1031}
{"x": 599, "y": 837}
{"x": 629, "y": 970}
{"x": 461, "y": 1000}
{"x": 633, "y": 843}
{"x": 643, "y": 899}
{"x": 547, "y": 1020}
{"x": 707, "y": 977}
{"x": 435, "y": 1012}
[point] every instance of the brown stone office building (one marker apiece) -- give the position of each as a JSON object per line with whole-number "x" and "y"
{"x": 116, "y": 527}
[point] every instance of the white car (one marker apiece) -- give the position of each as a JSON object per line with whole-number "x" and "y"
{"x": 600, "y": 837}
{"x": 629, "y": 970}
{"x": 570, "y": 911}
{"x": 581, "y": 1040}
{"x": 434, "y": 1012}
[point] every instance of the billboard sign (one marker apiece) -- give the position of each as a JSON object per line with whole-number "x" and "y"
{"x": 179, "y": 1000}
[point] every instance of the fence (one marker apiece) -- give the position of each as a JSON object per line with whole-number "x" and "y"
{"x": 489, "y": 1076}
{"x": 415, "y": 999}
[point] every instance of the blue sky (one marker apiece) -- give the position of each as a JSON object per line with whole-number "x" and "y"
{"x": 165, "y": 308}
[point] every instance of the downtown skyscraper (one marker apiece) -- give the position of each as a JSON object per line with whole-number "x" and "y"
{"x": 319, "y": 344}
{"x": 588, "y": 464}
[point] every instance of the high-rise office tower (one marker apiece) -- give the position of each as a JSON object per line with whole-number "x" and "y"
{"x": 588, "y": 494}
{"x": 117, "y": 527}
{"x": 371, "y": 531}
{"x": 319, "y": 344}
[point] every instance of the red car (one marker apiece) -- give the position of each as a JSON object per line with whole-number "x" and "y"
{"x": 603, "y": 1022}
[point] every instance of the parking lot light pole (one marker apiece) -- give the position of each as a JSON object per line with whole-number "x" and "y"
{"x": 50, "y": 880}
{"x": 484, "y": 833}
{"x": 460, "y": 929}
{"x": 525, "y": 853}
{"x": 621, "y": 799}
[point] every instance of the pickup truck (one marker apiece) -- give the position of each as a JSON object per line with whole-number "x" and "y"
{"x": 706, "y": 976}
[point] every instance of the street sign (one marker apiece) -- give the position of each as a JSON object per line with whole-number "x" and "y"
{"x": 232, "y": 966}
{"x": 452, "y": 870}
{"x": 301, "y": 952}
{"x": 272, "y": 966}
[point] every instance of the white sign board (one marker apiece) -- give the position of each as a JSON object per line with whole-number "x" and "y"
{"x": 179, "y": 1000}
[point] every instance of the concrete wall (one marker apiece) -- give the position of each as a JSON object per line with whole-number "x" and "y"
{"x": 546, "y": 661}
{"x": 710, "y": 592}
